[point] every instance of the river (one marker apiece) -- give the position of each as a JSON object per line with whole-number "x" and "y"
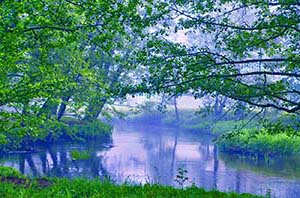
{"x": 139, "y": 153}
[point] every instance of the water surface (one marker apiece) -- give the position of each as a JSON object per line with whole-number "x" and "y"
{"x": 153, "y": 153}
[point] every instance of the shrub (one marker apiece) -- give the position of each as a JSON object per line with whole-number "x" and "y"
{"x": 264, "y": 141}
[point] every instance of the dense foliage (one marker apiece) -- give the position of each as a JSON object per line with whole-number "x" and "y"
{"x": 77, "y": 57}
{"x": 61, "y": 57}
{"x": 245, "y": 50}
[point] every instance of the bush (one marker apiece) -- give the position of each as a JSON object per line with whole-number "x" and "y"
{"x": 70, "y": 129}
{"x": 265, "y": 141}
{"x": 88, "y": 130}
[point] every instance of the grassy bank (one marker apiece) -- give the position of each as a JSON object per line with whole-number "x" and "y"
{"x": 85, "y": 130}
{"x": 278, "y": 136}
{"x": 267, "y": 141}
{"x": 53, "y": 131}
{"x": 65, "y": 188}
{"x": 93, "y": 188}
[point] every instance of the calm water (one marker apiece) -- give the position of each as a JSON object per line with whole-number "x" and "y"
{"x": 153, "y": 153}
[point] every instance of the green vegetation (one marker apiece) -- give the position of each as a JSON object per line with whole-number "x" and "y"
{"x": 217, "y": 127}
{"x": 268, "y": 141}
{"x": 222, "y": 127}
{"x": 79, "y": 57}
{"x": 89, "y": 130}
{"x": 94, "y": 188}
{"x": 192, "y": 121}
{"x": 69, "y": 129}
{"x": 63, "y": 58}
{"x": 181, "y": 177}
{"x": 279, "y": 137}
{"x": 245, "y": 60}
{"x": 80, "y": 155}
{"x": 10, "y": 172}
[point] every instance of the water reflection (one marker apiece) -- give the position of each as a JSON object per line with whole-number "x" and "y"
{"x": 285, "y": 167}
{"x": 56, "y": 161}
{"x": 153, "y": 153}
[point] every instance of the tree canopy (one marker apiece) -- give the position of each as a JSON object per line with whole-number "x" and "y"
{"x": 245, "y": 50}
{"x": 83, "y": 54}
{"x": 61, "y": 54}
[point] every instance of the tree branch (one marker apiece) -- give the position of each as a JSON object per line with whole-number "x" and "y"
{"x": 61, "y": 28}
{"x": 200, "y": 20}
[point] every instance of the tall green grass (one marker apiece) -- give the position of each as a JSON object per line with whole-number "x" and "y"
{"x": 64, "y": 188}
{"x": 264, "y": 142}
{"x": 79, "y": 188}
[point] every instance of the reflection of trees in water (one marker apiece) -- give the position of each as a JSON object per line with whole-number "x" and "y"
{"x": 161, "y": 156}
{"x": 27, "y": 158}
{"x": 96, "y": 166}
{"x": 43, "y": 159}
{"x": 175, "y": 142}
{"x": 57, "y": 162}
{"x": 207, "y": 169}
{"x": 282, "y": 167}
{"x": 238, "y": 181}
{"x": 161, "y": 148}
{"x": 205, "y": 172}
{"x": 287, "y": 167}
{"x": 216, "y": 167}
{"x": 55, "y": 169}
{"x": 161, "y": 152}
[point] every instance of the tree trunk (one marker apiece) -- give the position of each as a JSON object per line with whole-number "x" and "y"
{"x": 216, "y": 106}
{"x": 62, "y": 107}
{"x": 176, "y": 110}
{"x": 219, "y": 105}
{"x": 216, "y": 167}
{"x": 222, "y": 105}
{"x": 95, "y": 110}
{"x": 49, "y": 108}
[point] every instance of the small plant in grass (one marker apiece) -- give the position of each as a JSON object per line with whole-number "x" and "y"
{"x": 181, "y": 177}
{"x": 80, "y": 155}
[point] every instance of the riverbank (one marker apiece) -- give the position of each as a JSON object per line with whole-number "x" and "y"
{"x": 144, "y": 154}
{"x": 264, "y": 142}
{"x": 250, "y": 136}
{"x": 17, "y": 186}
{"x": 193, "y": 121}
{"x": 67, "y": 130}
